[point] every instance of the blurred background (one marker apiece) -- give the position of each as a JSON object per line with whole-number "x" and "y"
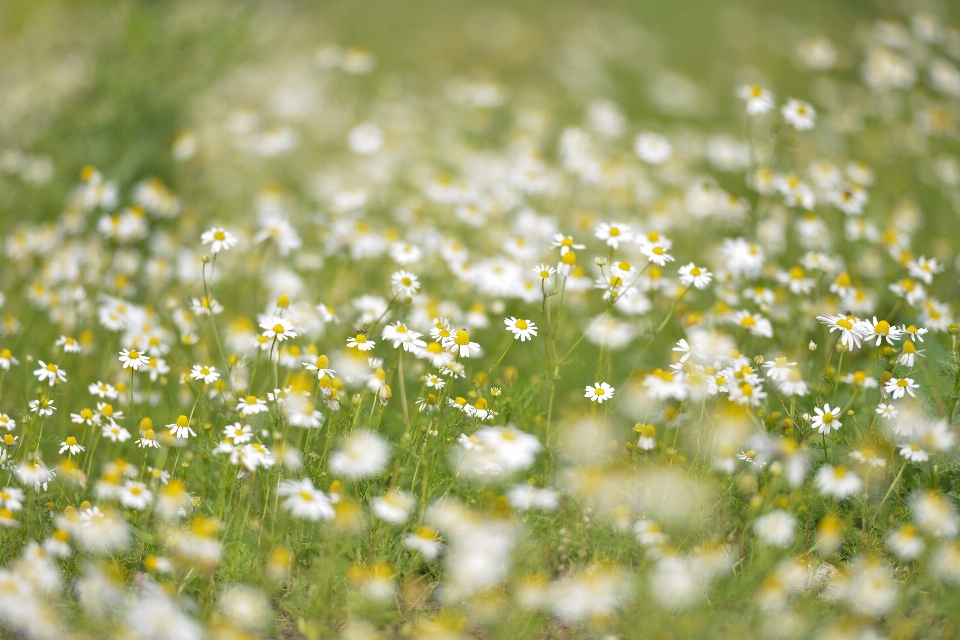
{"x": 112, "y": 83}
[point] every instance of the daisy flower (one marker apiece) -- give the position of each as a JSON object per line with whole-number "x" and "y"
{"x": 887, "y": 411}
{"x": 598, "y": 392}
{"x": 42, "y": 406}
{"x": 278, "y": 328}
{"x": 545, "y": 272}
{"x": 426, "y": 540}
{"x": 849, "y": 328}
{"x": 613, "y": 233}
{"x": 758, "y": 99}
{"x": 205, "y": 373}
{"x": 652, "y": 148}
{"x": 148, "y": 440}
{"x": 462, "y": 346}
{"x": 86, "y": 416}
{"x": 914, "y": 453}
{"x": 219, "y": 239}
{"x": 564, "y": 243}
{"x": 115, "y": 432}
{"x": 826, "y": 419}
{"x": 50, "y": 372}
{"x": 522, "y": 329}
{"x": 71, "y": 445}
{"x": 897, "y": 387}
{"x": 361, "y": 342}
{"x": 778, "y": 369}
{"x": 69, "y": 344}
{"x": 691, "y": 274}
{"x": 799, "y": 114}
{"x": 103, "y": 390}
{"x": 181, "y": 428}
{"x": 7, "y": 359}
{"x": 879, "y": 330}
{"x": 304, "y": 501}
{"x": 908, "y": 354}
{"x": 238, "y": 433}
{"x": 656, "y": 253}
{"x": 837, "y": 482}
{"x": 251, "y": 405}
{"x": 405, "y": 283}
{"x": 133, "y": 359}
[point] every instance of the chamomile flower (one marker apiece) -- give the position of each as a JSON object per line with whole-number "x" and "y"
{"x": 251, "y": 405}
{"x": 652, "y": 148}
{"x": 914, "y": 453}
{"x": 544, "y": 272}
{"x": 277, "y": 328}
{"x": 86, "y": 416}
{"x": 564, "y": 243}
{"x": 799, "y": 114}
{"x": 826, "y": 419}
{"x": 42, "y": 406}
{"x": 50, "y": 373}
{"x": 613, "y": 233}
{"x": 879, "y": 330}
{"x": 886, "y": 411}
{"x": 838, "y": 482}
{"x": 305, "y": 501}
{"x": 205, "y": 373}
{"x": 115, "y": 433}
{"x": 360, "y": 342}
{"x": 70, "y": 345}
{"x": 148, "y": 440}
{"x": 181, "y": 428}
{"x": 897, "y": 387}
{"x": 849, "y": 328}
{"x": 238, "y": 433}
{"x": 692, "y": 275}
{"x": 522, "y": 329}
{"x": 219, "y": 240}
{"x": 598, "y": 392}
{"x": 778, "y": 368}
{"x": 758, "y": 99}
{"x": 405, "y": 283}
{"x": 7, "y": 360}
{"x": 103, "y": 390}
{"x": 434, "y": 381}
{"x": 71, "y": 445}
{"x": 909, "y": 354}
{"x": 460, "y": 344}
{"x": 401, "y": 334}
{"x": 131, "y": 359}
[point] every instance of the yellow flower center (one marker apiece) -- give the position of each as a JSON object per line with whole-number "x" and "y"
{"x": 219, "y": 235}
{"x": 521, "y": 324}
{"x": 462, "y": 338}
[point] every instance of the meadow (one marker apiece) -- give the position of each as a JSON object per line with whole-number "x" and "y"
{"x": 443, "y": 320}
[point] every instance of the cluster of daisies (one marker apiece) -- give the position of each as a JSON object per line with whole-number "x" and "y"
{"x": 542, "y": 380}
